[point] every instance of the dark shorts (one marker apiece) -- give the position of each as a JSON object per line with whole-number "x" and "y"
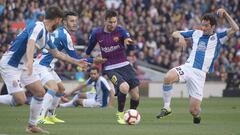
{"x": 123, "y": 74}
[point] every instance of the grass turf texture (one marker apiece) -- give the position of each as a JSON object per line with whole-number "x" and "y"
{"x": 220, "y": 116}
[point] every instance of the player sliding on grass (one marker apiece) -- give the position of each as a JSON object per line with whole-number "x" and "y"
{"x": 205, "y": 48}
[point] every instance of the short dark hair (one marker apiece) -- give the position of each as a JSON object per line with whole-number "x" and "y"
{"x": 53, "y": 12}
{"x": 69, "y": 13}
{"x": 210, "y": 17}
{"x": 95, "y": 68}
{"x": 110, "y": 14}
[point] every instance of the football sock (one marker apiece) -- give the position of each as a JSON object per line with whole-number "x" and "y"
{"x": 167, "y": 91}
{"x": 71, "y": 103}
{"x": 47, "y": 102}
{"x": 7, "y": 100}
{"x": 134, "y": 104}
{"x": 55, "y": 103}
{"x": 121, "y": 101}
{"x": 35, "y": 108}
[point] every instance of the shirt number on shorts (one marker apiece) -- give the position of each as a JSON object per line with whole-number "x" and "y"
{"x": 179, "y": 70}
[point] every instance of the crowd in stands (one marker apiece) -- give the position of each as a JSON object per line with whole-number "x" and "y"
{"x": 150, "y": 23}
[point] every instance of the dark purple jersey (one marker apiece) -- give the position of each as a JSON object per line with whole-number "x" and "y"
{"x": 111, "y": 44}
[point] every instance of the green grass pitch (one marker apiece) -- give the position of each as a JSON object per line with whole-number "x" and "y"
{"x": 220, "y": 116}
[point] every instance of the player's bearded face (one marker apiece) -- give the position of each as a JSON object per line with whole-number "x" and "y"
{"x": 94, "y": 75}
{"x": 111, "y": 23}
{"x": 207, "y": 27}
{"x": 72, "y": 23}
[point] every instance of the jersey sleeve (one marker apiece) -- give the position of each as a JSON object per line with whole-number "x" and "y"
{"x": 187, "y": 34}
{"x": 89, "y": 81}
{"x": 92, "y": 42}
{"x": 125, "y": 33}
{"x": 36, "y": 32}
{"x": 222, "y": 36}
{"x": 105, "y": 89}
{"x": 68, "y": 46}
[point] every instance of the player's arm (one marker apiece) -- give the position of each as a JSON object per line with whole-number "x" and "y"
{"x": 91, "y": 43}
{"x": 34, "y": 33}
{"x": 180, "y": 37}
{"x": 79, "y": 87}
{"x": 234, "y": 27}
{"x": 59, "y": 55}
{"x": 111, "y": 98}
{"x": 126, "y": 37}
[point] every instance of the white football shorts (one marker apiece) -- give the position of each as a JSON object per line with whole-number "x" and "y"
{"x": 194, "y": 78}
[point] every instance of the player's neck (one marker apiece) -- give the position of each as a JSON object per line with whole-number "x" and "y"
{"x": 106, "y": 30}
{"x": 48, "y": 26}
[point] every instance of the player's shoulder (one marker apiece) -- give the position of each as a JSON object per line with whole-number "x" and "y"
{"x": 38, "y": 25}
{"x": 120, "y": 28}
{"x": 102, "y": 79}
{"x": 97, "y": 30}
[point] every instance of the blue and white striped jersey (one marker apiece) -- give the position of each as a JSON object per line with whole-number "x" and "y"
{"x": 205, "y": 48}
{"x": 63, "y": 41}
{"x": 16, "y": 55}
{"x": 102, "y": 90}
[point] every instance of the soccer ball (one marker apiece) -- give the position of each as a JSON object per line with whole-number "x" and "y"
{"x": 132, "y": 117}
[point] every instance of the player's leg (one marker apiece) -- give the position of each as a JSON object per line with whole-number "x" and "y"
{"x": 51, "y": 115}
{"x": 74, "y": 102}
{"x": 171, "y": 77}
{"x": 195, "y": 85}
{"x": 195, "y": 109}
{"x": 122, "y": 89}
{"x": 134, "y": 101}
{"x": 38, "y": 91}
{"x": 16, "y": 95}
{"x": 52, "y": 88}
{"x": 33, "y": 84}
{"x": 88, "y": 103}
{"x": 133, "y": 84}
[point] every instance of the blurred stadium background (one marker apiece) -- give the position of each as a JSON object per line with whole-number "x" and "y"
{"x": 150, "y": 23}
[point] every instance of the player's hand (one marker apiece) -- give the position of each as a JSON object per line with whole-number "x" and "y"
{"x": 128, "y": 41}
{"x": 221, "y": 12}
{"x": 29, "y": 66}
{"x": 99, "y": 60}
{"x": 182, "y": 42}
{"x": 83, "y": 64}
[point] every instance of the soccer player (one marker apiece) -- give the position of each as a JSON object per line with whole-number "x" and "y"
{"x": 17, "y": 63}
{"x": 44, "y": 66}
{"x": 205, "y": 48}
{"x": 112, "y": 40}
{"x": 103, "y": 96}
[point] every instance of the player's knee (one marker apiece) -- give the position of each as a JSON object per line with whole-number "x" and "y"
{"x": 39, "y": 93}
{"x": 19, "y": 101}
{"x": 124, "y": 88}
{"x": 170, "y": 77}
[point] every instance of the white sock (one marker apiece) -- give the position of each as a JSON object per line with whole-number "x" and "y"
{"x": 7, "y": 100}
{"x": 47, "y": 102}
{"x": 55, "y": 103}
{"x": 35, "y": 108}
{"x": 71, "y": 103}
{"x": 167, "y": 95}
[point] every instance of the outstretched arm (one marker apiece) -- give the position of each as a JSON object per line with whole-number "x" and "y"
{"x": 178, "y": 35}
{"x": 234, "y": 27}
{"x": 59, "y": 55}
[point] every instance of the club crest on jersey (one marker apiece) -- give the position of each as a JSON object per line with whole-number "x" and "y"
{"x": 201, "y": 46}
{"x": 212, "y": 38}
{"x": 115, "y": 39}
